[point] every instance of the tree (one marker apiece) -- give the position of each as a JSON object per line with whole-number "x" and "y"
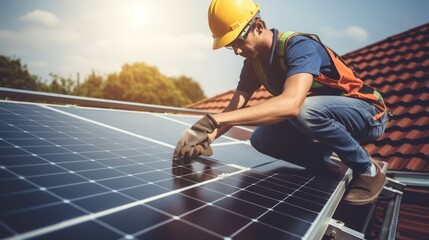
{"x": 136, "y": 82}
{"x": 189, "y": 88}
{"x": 61, "y": 85}
{"x": 139, "y": 82}
{"x": 112, "y": 88}
{"x": 15, "y": 75}
{"x": 92, "y": 86}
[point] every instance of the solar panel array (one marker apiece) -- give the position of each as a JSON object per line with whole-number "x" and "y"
{"x": 85, "y": 173}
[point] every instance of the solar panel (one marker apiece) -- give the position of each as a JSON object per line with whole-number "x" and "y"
{"x": 72, "y": 173}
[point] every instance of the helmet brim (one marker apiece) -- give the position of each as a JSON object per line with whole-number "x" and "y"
{"x": 226, "y": 39}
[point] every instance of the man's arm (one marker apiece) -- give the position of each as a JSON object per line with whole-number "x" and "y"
{"x": 286, "y": 105}
{"x": 196, "y": 139}
{"x": 239, "y": 100}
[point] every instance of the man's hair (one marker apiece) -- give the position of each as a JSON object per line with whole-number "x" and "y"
{"x": 258, "y": 16}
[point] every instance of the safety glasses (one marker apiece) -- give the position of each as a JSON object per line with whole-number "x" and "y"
{"x": 242, "y": 36}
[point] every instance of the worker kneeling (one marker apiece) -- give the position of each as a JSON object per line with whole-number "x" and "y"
{"x": 319, "y": 105}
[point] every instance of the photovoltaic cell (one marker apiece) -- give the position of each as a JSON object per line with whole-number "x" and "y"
{"x": 157, "y": 126}
{"x": 76, "y": 173}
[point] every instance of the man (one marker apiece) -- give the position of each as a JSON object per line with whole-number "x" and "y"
{"x": 319, "y": 105}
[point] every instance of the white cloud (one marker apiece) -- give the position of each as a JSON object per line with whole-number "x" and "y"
{"x": 38, "y": 37}
{"x": 105, "y": 39}
{"x": 42, "y": 17}
{"x": 48, "y": 31}
{"x": 355, "y": 33}
{"x": 172, "y": 54}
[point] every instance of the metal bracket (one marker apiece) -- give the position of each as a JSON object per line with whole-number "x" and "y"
{"x": 395, "y": 184}
{"x": 337, "y": 230}
{"x": 392, "y": 190}
{"x": 420, "y": 179}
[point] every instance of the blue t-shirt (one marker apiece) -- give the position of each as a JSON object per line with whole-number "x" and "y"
{"x": 302, "y": 55}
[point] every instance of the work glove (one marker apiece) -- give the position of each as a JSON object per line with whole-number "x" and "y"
{"x": 195, "y": 141}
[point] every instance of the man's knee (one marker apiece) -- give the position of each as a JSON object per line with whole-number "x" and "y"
{"x": 262, "y": 139}
{"x": 257, "y": 139}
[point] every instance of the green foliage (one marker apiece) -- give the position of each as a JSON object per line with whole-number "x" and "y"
{"x": 113, "y": 88}
{"x": 15, "y": 75}
{"x": 136, "y": 82}
{"x": 146, "y": 84}
{"x": 61, "y": 85}
{"x": 189, "y": 88}
{"x": 91, "y": 87}
{"x": 139, "y": 82}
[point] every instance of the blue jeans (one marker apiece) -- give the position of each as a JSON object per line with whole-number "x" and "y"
{"x": 325, "y": 124}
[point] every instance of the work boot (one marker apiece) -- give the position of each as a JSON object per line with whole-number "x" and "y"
{"x": 365, "y": 189}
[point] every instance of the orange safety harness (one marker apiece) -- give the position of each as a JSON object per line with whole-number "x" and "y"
{"x": 348, "y": 84}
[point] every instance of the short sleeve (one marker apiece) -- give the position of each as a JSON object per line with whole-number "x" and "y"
{"x": 302, "y": 56}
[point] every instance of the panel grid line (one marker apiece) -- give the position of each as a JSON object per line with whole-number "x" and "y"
{"x": 92, "y": 216}
{"x": 95, "y": 166}
{"x": 232, "y": 195}
{"x": 87, "y": 196}
{"x": 110, "y": 127}
{"x": 271, "y": 209}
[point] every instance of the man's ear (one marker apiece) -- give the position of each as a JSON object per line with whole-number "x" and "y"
{"x": 259, "y": 26}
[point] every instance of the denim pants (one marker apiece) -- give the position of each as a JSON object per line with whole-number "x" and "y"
{"x": 325, "y": 124}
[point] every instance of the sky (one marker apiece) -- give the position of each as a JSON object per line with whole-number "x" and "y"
{"x": 68, "y": 37}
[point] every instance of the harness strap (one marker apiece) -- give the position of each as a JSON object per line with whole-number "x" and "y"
{"x": 282, "y": 41}
{"x": 365, "y": 89}
{"x": 260, "y": 73}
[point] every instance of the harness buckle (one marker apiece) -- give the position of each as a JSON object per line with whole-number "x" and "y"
{"x": 390, "y": 116}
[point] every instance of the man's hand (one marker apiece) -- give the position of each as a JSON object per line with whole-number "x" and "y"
{"x": 195, "y": 141}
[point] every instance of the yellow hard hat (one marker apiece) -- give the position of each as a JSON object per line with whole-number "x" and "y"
{"x": 227, "y": 18}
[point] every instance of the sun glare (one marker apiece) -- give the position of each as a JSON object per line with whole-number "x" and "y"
{"x": 138, "y": 16}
